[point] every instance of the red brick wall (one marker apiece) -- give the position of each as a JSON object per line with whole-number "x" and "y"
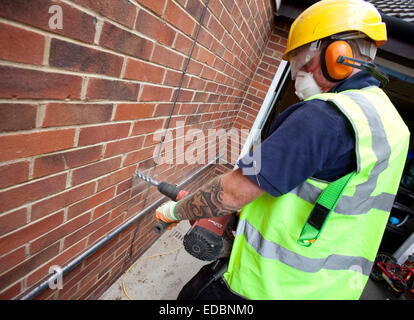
{"x": 262, "y": 79}
{"x": 78, "y": 109}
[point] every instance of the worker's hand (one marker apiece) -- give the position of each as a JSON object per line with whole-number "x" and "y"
{"x": 166, "y": 213}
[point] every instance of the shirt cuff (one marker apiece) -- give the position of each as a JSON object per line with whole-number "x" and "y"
{"x": 248, "y": 170}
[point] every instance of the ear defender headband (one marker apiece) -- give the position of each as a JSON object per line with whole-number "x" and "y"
{"x": 331, "y": 69}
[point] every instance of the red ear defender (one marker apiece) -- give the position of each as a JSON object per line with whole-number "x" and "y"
{"x": 331, "y": 69}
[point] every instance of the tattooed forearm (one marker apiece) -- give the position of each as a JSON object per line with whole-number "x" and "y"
{"x": 207, "y": 202}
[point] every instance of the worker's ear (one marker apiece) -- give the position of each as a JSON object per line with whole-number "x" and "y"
{"x": 331, "y": 69}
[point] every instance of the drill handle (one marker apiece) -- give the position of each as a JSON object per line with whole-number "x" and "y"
{"x": 161, "y": 226}
{"x": 171, "y": 191}
{"x": 175, "y": 194}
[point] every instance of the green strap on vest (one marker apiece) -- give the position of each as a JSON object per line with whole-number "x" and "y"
{"x": 325, "y": 204}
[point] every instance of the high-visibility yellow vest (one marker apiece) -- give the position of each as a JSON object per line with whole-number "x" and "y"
{"x": 268, "y": 262}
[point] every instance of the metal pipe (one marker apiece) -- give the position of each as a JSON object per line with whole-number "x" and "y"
{"x": 98, "y": 245}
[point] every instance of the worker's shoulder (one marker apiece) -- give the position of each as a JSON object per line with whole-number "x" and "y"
{"x": 317, "y": 109}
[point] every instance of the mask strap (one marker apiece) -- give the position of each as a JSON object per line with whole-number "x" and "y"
{"x": 316, "y": 67}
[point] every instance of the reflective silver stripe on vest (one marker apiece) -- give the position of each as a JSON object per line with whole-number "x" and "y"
{"x": 359, "y": 204}
{"x": 347, "y": 205}
{"x": 271, "y": 250}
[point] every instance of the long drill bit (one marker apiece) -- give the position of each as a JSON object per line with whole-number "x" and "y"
{"x": 146, "y": 178}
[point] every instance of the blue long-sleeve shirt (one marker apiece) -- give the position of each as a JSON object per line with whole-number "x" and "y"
{"x": 309, "y": 139}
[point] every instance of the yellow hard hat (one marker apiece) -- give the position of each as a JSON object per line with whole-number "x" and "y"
{"x": 329, "y": 17}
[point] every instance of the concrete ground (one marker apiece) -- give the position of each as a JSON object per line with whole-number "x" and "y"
{"x": 161, "y": 277}
{"x": 155, "y": 277}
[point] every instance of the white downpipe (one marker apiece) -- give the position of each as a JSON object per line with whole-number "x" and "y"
{"x": 263, "y": 112}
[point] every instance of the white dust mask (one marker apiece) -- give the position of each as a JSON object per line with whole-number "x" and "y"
{"x": 306, "y": 85}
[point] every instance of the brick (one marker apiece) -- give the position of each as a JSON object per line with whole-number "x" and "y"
{"x": 58, "y": 259}
{"x": 195, "y": 7}
{"x": 90, "y": 203}
{"x": 139, "y": 70}
{"x": 72, "y": 278}
{"x": 183, "y": 95}
{"x": 76, "y": 24}
{"x": 164, "y": 109}
{"x": 66, "y": 114}
{"x": 193, "y": 119}
{"x": 205, "y": 56}
{"x": 14, "y": 173}
{"x": 226, "y": 20}
{"x": 134, "y": 111}
{"x": 146, "y": 126}
{"x": 67, "y": 292}
{"x": 12, "y": 221}
{"x": 62, "y": 200}
{"x": 123, "y": 41}
{"x": 115, "y": 177}
{"x": 201, "y": 97}
{"x": 254, "y": 98}
{"x": 216, "y": 7}
{"x": 19, "y": 45}
{"x": 271, "y": 61}
{"x": 137, "y": 156}
{"x": 98, "y": 234}
{"x": 219, "y": 65}
{"x": 121, "y": 11}
{"x": 88, "y": 283}
{"x": 29, "y": 232}
{"x": 36, "y": 190}
{"x": 24, "y": 145}
{"x": 183, "y": 43}
{"x": 206, "y": 39}
{"x": 112, "y": 90}
{"x": 92, "y": 135}
{"x": 124, "y": 186}
{"x": 156, "y": 93}
{"x": 167, "y": 57}
{"x": 259, "y": 86}
{"x": 123, "y": 146}
{"x": 215, "y": 28}
{"x": 155, "y": 6}
{"x": 11, "y": 292}
{"x": 194, "y": 68}
{"x": 28, "y": 266}
{"x": 155, "y": 28}
{"x": 33, "y": 84}
{"x": 12, "y": 259}
{"x": 15, "y": 117}
{"x": 113, "y": 203}
{"x": 188, "y": 108}
{"x": 84, "y": 232}
{"x": 58, "y": 162}
{"x": 63, "y": 230}
{"x": 173, "y": 78}
{"x": 95, "y": 170}
{"x": 179, "y": 18}
{"x": 229, "y": 4}
{"x": 208, "y": 73}
{"x": 70, "y": 56}
{"x": 177, "y": 122}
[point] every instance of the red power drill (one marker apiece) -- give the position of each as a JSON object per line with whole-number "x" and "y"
{"x": 207, "y": 239}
